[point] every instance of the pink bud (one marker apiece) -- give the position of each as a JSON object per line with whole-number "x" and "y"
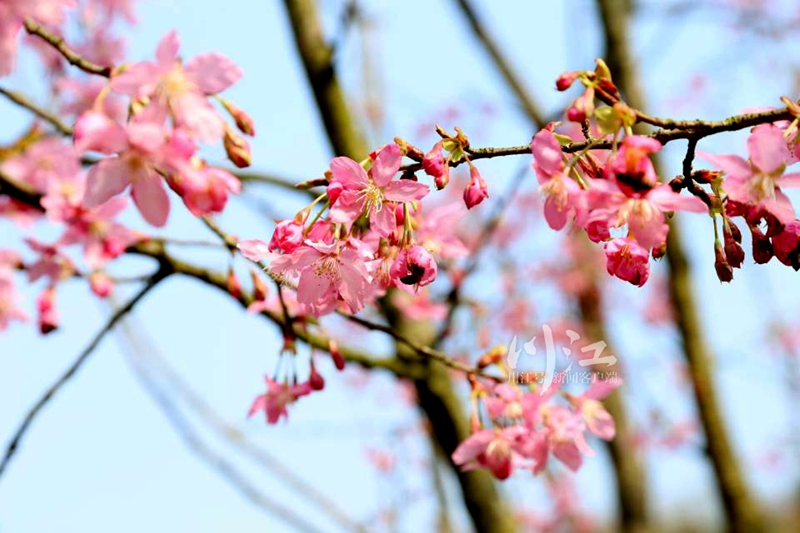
{"x": 566, "y": 79}
{"x": 724, "y": 270}
{"x": 336, "y": 355}
{"x": 234, "y": 287}
{"x": 315, "y": 379}
{"x": 476, "y": 191}
{"x": 101, "y": 284}
{"x": 48, "y": 315}
{"x": 243, "y": 121}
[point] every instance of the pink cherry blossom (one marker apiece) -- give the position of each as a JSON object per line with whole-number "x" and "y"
{"x": 644, "y": 213}
{"x": 46, "y": 160}
{"x": 628, "y": 261}
{"x": 631, "y": 168}
{"x": 143, "y": 149}
{"x": 597, "y": 419}
{"x": 758, "y": 181}
{"x": 373, "y": 193}
{"x": 414, "y": 266}
{"x": 494, "y": 449}
{"x": 277, "y": 398}
{"x": 287, "y": 237}
{"x": 179, "y": 90}
{"x": 329, "y": 275}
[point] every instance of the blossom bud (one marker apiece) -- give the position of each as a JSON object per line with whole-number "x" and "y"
{"x": 786, "y": 245}
{"x": 724, "y": 270}
{"x": 733, "y": 250}
{"x": 101, "y": 284}
{"x": 315, "y": 379}
{"x": 336, "y": 355}
{"x": 46, "y": 306}
{"x": 476, "y": 191}
{"x": 260, "y": 290}
{"x": 566, "y": 79}
{"x": 234, "y": 287}
{"x": 237, "y": 148}
{"x": 762, "y": 246}
{"x": 243, "y": 121}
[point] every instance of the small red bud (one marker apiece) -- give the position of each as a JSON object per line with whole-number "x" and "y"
{"x": 237, "y": 148}
{"x": 336, "y": 355}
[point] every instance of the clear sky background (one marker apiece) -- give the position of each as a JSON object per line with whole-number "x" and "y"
{"x": 103, "y": 457}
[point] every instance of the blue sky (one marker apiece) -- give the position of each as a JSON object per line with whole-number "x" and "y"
{"x": 102, "y": 455}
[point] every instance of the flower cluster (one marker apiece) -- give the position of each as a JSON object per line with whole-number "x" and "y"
{"x": 369, "y": 236}
{"x": 525, "y": 427}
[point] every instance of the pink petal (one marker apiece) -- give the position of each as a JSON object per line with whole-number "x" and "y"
{"x": 473, "y": 446}
{"x": 97, "y": 132}
{"x": 254, "y": 249}
{"x": 568, "y": 454}
{"x": 151, "y": 198}
{"x": 555, "y": 214}
{"x": 405, "y": 191}
{"x": 167, "y": 51}
{"x": 547, "y": 153}
{"x": 767, "y": 147}
{"x": 139, "y": 80}
{"x": 349, "y": 173}
{"x": 733, "y": 165}
{"x": 348, "y": 208}
{"x": 668, "y": 200}
{"x": 105, "y": 180}
{"x": 789, "y": 180}
{"x": 383, "y": 222}
{"x": 146, "y": 136}
{"x": 386, "y": 164}
{"x": 213, "y": 73}
{"x": 312, "y": 288}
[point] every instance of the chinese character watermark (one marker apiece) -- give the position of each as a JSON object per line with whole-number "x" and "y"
{"x": 549, "y": 376}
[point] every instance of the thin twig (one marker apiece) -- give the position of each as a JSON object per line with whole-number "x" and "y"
{"x": 75, "y": 366}
{"x": 24, "y": 102}
{"x": 73, "y": 57}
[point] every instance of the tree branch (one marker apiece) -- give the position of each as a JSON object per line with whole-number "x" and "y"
{"x": 76, "y": 365}
{"x": 73, "y": 57}
{"x": 23, "y": 101}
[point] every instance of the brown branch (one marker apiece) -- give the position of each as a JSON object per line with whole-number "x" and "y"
{"x": 72, "y": 57}
{"x": 75, "y": 366}
{"x": 23, "y": 101}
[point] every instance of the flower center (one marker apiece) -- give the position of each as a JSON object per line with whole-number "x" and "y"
{"x": 328, "y": 267}
{"x": 373, "y": 197}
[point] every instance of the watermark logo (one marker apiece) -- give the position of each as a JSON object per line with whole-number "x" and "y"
{"x": 591, "y": 357}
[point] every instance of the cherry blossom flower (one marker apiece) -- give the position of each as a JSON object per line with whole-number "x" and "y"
{"x": 414, "y": 266}
{"x": 643, "y": 213}
{"x": 329, "y": 275}
{"x": 494, "y": 449}
{"x": 628, "y": 261}
{"x": 278, "y": 396}
{"x": 597, "y": 419}
{"x": 179, "y": 90}
{"x": 372, "y": 193}
{"x": 44, "y": 161}
{"x": 758, "y": 181}
{"x": 142, "y": 148}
